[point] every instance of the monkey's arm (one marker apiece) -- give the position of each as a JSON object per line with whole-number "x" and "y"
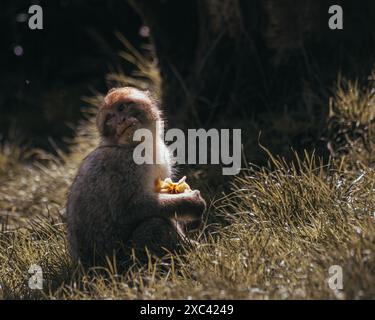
{"x": 183, "y": 206}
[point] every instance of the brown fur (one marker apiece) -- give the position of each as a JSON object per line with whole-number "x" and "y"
{"x": 112, "y": 205}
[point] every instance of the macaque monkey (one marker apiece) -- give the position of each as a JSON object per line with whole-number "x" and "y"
{"x": 113, "y": 206}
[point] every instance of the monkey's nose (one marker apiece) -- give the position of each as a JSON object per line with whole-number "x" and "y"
{"x": 121, "y": 120}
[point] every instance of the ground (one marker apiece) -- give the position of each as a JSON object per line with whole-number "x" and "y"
{"x": 274, "y": 232}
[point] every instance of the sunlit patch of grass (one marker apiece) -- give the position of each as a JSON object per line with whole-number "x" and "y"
{"x": 286, "y": 225}
{"x": 309, "y": 216}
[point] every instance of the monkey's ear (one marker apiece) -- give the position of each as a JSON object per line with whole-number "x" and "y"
{"x": 105, "y": 129}
{"x": 101, "y": 119}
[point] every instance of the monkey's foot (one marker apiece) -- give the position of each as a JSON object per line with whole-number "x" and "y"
{"x": 168, "y": 186}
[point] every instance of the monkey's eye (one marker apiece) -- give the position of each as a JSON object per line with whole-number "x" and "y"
{"x": 121, "y": 107}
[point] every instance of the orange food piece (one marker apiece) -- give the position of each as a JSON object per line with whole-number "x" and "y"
{"x": 168, "y": 186}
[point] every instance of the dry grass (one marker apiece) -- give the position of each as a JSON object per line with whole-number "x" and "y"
{"x": 284, "y": 225}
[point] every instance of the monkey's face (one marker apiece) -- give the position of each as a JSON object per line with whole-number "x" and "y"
{"x": 125, "y": 110}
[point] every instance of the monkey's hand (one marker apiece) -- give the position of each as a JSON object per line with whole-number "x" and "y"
{"x": 188, "y": 206}
{"x": 168, "y": 186}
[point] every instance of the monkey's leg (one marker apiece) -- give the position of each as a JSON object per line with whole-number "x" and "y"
{"x": 158, "y": 235}
{"x": 184, "y": 239}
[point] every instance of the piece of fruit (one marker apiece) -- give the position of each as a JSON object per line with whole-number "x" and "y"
{"x": 168, "y": 186}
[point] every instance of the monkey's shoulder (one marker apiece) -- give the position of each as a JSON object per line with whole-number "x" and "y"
{"x": 108, "y": 172}
{"x": 108, "y": 159}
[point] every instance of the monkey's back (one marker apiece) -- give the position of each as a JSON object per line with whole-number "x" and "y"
{"x": 102, "y": 207}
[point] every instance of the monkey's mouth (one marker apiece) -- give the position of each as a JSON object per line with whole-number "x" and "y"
{"x": 128, "y": 124}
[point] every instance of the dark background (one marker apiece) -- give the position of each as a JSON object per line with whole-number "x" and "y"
{"x": 41, "y": 90}
{"x": 258, "y": 65}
